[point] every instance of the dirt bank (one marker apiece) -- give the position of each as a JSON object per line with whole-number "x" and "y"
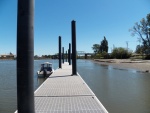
{"x": 139, "y": 65}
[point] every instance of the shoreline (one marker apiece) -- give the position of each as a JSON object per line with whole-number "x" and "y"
{"x": 139, "y": 65}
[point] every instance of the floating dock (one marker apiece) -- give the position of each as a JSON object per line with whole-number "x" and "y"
{"x": 63, "y": 93}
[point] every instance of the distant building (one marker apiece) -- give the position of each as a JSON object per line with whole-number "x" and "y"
{"x": 9, "y": 56}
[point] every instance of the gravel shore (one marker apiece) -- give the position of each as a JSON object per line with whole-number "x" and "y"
{"x": 139, "y": 65}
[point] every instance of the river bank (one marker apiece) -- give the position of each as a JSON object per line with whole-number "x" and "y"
{"x": 139, "y": 65}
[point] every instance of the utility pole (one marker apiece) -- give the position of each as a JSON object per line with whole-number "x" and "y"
{"x": 113, "y": 46}
{"x": 127, "y": 45}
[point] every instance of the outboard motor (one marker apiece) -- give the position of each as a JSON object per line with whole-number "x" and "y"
{"x": 44, "y": 72}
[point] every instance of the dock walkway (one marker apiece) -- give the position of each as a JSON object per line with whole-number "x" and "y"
{"x": 62, "y": 93}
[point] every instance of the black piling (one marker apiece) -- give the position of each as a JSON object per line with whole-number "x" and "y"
{"x": 69, "y": 54}
{"x": 85, "y": 56}
{"x": 60, "y": 65}
{"x": 25, "y": 54}
{"x": 63, "y": 54}
{"x": 66, "y": 56}
{"x": 74, "y": 65}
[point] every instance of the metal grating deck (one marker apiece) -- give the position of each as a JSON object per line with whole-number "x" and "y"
{"x": 67, "y": 105}
{"x": 63, "y": 86}
{"x": 62, "y": 93}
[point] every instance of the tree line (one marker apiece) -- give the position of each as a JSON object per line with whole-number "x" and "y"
{"x": 101, "y": 51}
{"x": 140, "y": 29}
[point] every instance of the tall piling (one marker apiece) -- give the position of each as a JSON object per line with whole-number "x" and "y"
{"x": 63, "y": 54}
{"x": 74, "y": 64}
{"x": 25, "y": 56}
{"x": 85, "y": 56}
{"x": 66, "y": 56}
{"x": 69, "y": 54}
{"x": 60, "y": 65}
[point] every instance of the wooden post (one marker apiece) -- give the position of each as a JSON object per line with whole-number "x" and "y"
{"x": 25, "y": 56}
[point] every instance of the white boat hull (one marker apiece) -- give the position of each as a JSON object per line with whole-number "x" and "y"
{"x": 41, "y": 73}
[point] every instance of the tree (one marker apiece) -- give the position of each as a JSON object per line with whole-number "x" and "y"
{"x": 142, "y": 30}
{"x": 139, "y": 49}
{"x": 103, "y": 46}
{"x": 96, "y": 48}
{"x": 120, "y": 53}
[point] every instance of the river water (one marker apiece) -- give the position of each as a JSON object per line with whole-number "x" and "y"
{"x": 119, "y": 90}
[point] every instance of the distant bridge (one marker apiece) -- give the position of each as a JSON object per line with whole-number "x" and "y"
{"x": 83, "y": 53}
{"x": 79, "y": 53}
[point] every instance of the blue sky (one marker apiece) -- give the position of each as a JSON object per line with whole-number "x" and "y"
{"x": 94, "y": 20}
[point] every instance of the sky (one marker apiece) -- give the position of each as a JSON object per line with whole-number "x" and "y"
{"x": 94, "y": 20}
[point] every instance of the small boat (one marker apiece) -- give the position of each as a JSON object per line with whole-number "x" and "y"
{"x": 46, "y": 70}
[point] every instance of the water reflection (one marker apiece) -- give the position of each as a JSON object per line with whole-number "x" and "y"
{"x": 40, "y": 80}
{"x": 120, "y": 90}
{"x": 8, "y": 88}
{"x": 109, "y": 67}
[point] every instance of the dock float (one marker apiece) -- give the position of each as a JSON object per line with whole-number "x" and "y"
{"x": 63, "y": 93}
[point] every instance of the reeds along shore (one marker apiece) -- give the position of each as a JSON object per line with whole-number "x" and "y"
{"x": 139, "y": 65}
